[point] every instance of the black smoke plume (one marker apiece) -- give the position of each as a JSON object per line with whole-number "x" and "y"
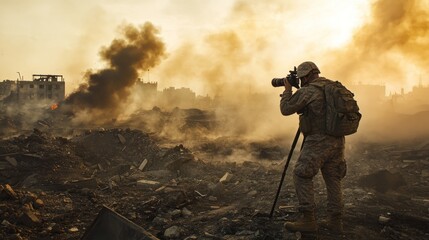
{"x": 106, "y": 91}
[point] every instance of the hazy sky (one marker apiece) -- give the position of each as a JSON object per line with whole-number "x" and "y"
{"x": 257, "y": 39}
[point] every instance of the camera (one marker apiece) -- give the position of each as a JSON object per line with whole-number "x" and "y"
{"x": 292, "y": 78}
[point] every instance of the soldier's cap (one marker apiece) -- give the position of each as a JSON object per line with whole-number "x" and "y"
{"x": 305, "y": 68}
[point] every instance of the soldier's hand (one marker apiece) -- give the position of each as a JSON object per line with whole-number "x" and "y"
{"x": 288, "y": 87}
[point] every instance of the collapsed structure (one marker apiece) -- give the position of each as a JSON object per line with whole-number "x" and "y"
{"x": 42, "y": 87}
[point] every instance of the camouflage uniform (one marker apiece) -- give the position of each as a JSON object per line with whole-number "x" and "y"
{"x": 320, "y": 151}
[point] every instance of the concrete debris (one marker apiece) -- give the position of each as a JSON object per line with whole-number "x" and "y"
{"x": 173, "y": 232}
{"x": 6, "y": 192}
{"x": 29, "y": 219}
{"x": 226, "y": 178}
{"x": 159, "y": 221}
{"x": 73, "y": 230}
{"x": 176, "y": 213}
{"x": 144, "y": 182}
{"x": 142, "y": 165}
{"x": 383, "y": 220}
{"x": 110, "y": 225}
{"x": 38, "y": 203}
{"x": 59, "y": 183}
{"x": 186, "y": 212}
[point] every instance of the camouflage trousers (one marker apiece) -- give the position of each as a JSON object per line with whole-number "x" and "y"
{"x": 327, "y": 154}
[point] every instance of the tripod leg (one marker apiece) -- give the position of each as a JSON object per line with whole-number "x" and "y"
{"x": 295, "y": 140}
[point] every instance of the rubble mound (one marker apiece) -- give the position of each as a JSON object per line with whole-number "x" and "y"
{"x": 117, "y": 146}
{"x": 53, "y": 187}
{"x": 38, "y": 157}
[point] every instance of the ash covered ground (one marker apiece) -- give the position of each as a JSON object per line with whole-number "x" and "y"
{"x": 56, "y": 179}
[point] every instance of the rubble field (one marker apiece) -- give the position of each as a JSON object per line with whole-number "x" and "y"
{"x": 53, "y": 186}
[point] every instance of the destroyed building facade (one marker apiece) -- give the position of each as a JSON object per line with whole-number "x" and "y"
{"x": 42, "y": 88}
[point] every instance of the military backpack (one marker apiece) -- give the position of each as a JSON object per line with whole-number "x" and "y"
{"x": 342, "y": 110}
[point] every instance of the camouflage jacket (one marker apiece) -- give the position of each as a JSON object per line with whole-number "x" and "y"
{"x": 309, "y": 103}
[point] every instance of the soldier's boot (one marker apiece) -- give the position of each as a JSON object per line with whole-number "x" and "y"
{"x": 333, "y": 223}
{"x": 307, "y": 223}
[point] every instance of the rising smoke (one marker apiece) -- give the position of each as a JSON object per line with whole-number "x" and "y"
{"x": 392, "y": 42}
{"x": 233, "y": 62}
{"x": 392, "y": 48}
{"x": 105, "y": 93}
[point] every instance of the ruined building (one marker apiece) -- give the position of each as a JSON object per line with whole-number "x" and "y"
{"x": 147, "y": 93}
{"x": 177, "y": 97}
{"x": 148, "y": 96}
{"x": 42, "y": 88}
{"x": 6, "y": 88}
{"x": 412, "y": 102}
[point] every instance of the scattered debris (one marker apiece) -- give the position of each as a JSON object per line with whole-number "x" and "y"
{"x": 173, "y": 191}
{"x": 142, "y": 165}
{"x": 226, "y": 178}
{"x": 6, "y": 192}
{"x": 110, "y": 225}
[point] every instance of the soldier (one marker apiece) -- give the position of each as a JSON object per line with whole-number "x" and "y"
{"x": 320, "y": 151}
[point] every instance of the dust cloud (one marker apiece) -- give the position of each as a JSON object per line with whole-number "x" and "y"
{"x": 231, "y": 64}
{"x": 392, "y": 42}
{"x": 235, "y": 62}
{"x": 391, "y": 47}
{"x": 105, "y": 93}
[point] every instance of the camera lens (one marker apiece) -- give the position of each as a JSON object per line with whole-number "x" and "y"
{"x": 277, "y": 82}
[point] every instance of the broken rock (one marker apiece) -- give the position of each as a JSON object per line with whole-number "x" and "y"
{"x": 110, "y": 225}
{"x": 173, "y": 232}
{"x": 142, "y": 165}
{"x": 29, "y": 219}
{"x": 6, "y": 192}
{"x": 383, "y": 220}
{"x": 186, "y": 212}
{"x": 143, "y": 182}
{"x": 226, "y": 178}
{"x": 159, "y": 221}
{"x": 73, "y": 230}
{"x": 38, "y": 203}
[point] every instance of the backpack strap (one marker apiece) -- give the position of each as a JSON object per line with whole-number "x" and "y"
{"x": 321, "y": 86}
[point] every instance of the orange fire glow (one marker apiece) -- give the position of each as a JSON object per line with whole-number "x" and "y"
{"x": 54, "y": 106}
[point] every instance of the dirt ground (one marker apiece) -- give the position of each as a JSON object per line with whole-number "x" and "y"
{"x": 54, "y": 183}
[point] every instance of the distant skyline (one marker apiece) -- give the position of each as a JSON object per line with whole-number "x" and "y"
{"x": 212, "y": 45}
